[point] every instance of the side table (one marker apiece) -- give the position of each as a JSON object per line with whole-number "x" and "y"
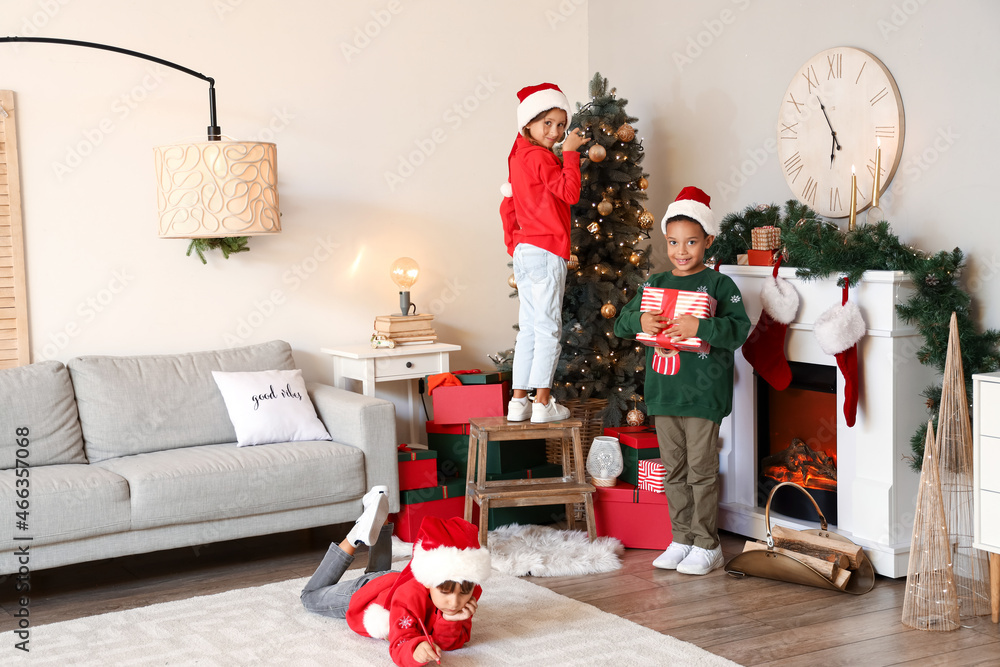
{"x": 369, "y": 365}
{"x": 986, "y": 476}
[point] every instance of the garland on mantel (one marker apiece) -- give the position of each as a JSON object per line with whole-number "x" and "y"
{"x": 820, "y": 249}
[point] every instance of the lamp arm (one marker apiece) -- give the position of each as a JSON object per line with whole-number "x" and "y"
{"x": 214, "y": 131}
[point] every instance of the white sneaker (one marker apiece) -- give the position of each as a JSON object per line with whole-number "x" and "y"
{"x": 674, "y": 554}
{"x": 701, "y": 561}
{"x": 369, "y": 524}
{"x": 518, "y": 411}
{"x": 553, "y": 412}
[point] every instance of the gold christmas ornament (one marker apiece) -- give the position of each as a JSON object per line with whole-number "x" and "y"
{"x": 634, "y": 259}
{"x": 608, "y": 310}
{"x": 593, "y": 228}
{"x": 643, "y": 183}
{"x": 635, "y": 417}
{"x": 646, "y": 220}
{"x": 512, "y": 282}
{"x": 574, "y": 263}
{"x": 597, "y": 153}
{"x": 626, "y": 133}
{"x": 605, "y": 207}
{"x": 605, "y": 128}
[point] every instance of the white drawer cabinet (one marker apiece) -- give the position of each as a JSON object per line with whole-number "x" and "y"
{"x": 986, "y": 483}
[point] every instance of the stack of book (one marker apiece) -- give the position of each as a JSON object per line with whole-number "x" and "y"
{"x": 406, "y": 329}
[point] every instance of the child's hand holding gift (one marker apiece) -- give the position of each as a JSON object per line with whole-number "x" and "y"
{"x": 684, "y": 326}
{"x": 653, "y": 323}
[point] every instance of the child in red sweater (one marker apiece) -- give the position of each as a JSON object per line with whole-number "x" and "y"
{"x": 535, "y": 213}
{"x": 438, "y": 589}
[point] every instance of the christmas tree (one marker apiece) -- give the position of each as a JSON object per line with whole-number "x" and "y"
{"x": 606, "y": 266}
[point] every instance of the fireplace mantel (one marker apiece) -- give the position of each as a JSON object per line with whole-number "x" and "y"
{"x": 876, "y": 489}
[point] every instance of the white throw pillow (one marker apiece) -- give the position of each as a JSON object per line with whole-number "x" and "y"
{"x": 269, "y": 406}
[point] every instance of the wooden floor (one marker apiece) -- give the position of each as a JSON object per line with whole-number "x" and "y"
{"x": 751, "y": 621}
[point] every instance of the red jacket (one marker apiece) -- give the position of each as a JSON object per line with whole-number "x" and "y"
{"x": 544, "y": 189}
{"x": 368, "y": 616}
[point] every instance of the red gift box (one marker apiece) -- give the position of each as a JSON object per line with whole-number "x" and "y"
{"x": 417, "y": 469}
{"x": 637, "y": 437}
{"x": 762, "y": 257}
{"x": 457, "y": 405}
{"x": 671, "y": 303}
{"x": 651, "y": 472}
{"x": 447, "y": 429}
{"x": 406, "y": 522}
{"x": 640, "y": 519}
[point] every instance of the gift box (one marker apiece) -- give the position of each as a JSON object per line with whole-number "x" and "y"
{"x": 501, "y": 456}
{"x": 765, "y": 238}
{"x": 639, "y": 443}
{"x": 493, "y": 377}
{"x": 651, "y": 472}
{"x": 452, "y": 488}
{"x": 671, "y": 303}
{"x": 546, "y": 470}
{"x": 457, "y": 405}
{"x": 640, "y": 519}
{"x": 417, "y": 468}
{"x": 762, "y": 257}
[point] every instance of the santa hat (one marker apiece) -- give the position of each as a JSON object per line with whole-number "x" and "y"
{"x": 764, "y": 349}
{"x": 445, "y": 550}
{"x": 533, "y": 100}
{"x": 838, "y": 331}
{"x": 692, "y": 203}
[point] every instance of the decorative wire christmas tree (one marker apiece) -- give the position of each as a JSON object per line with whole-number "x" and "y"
{"x": 930, "y": 601}
{"x": 606, "y": 266}
{"x": 954, "y": 446}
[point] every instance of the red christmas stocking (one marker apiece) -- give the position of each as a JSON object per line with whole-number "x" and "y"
{"x": 838, "y": 331}
{"x": 764, "y": 349}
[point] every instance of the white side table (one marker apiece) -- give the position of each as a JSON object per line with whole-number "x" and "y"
{"x": 404, "y": 362}
{"x": 986, "y": 476}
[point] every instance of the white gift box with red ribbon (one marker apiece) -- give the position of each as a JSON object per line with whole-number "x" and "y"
{"x": 671, "y": 303}
{"x": 651, "y": 472}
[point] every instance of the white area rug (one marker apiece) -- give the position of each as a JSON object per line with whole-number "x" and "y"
{"x": 518, "y": 623}
{"x": 543, "y": 551}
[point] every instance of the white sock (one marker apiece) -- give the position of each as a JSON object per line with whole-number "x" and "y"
{"x": 523, "y": 400}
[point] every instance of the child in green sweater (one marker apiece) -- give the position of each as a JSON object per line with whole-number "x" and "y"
{"x": 690, "y": 400}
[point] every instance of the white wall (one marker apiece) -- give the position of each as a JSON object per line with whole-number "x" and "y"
{"x": 341, "y": 121}
{"x": 706, "y": 87}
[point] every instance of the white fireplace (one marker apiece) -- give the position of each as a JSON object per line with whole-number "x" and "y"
{"x": 876, "y": 489}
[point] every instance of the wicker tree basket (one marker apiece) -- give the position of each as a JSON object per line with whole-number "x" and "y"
{"x": 587, "y": 411}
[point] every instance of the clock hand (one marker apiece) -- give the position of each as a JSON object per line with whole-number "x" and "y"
{"x": 832, "y": 153}
{"x": 832, "y": 131}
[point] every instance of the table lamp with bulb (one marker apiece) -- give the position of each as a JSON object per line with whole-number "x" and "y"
{"x": 404, "y": 272}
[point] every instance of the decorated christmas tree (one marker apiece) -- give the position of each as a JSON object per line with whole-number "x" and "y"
{"x": 609, "y": 224}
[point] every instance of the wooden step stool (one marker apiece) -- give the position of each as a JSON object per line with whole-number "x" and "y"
{"x": 570, "y": 488}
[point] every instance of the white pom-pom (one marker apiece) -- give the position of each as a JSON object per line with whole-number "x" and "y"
{"x": 506, "y": 190}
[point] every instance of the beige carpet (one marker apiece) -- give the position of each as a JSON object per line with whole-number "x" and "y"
{"x": 518, "y": 623}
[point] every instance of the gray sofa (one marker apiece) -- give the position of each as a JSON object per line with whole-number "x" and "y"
{"x": 109, "y": 456}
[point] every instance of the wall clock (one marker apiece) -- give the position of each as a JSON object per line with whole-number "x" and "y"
{"x": 839, "y": 105}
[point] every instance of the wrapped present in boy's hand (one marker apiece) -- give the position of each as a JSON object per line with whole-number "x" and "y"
{"x": 670, "y": 303}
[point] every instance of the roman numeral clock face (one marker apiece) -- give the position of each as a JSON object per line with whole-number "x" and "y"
{"x": 838, "y": 108}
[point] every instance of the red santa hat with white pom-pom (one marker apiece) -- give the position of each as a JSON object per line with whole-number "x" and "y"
{"x": 692, "y": 203}
{"x": 533, "y": 100}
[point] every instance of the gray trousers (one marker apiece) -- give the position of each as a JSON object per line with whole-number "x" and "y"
{"x": 689, "y": 450}
{"x": 327, "y": 595}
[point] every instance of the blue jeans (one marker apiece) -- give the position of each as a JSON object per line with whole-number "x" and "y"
{"x": 541, "y": 283}
{"x": 326, "y": 594}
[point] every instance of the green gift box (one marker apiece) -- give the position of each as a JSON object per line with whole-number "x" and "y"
{"x": 453, "y": 488}
{"x": 495, "y": 377}
{"x": 631, "y": 457}
{"x": 538, "y": 515}
{"x": 547, "y": 470}
{"x": 501, "y": 456}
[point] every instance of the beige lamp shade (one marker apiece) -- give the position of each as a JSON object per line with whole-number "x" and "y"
{"x": 214, "y": 189}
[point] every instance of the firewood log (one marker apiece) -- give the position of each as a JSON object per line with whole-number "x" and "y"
{"x": 826, "y": 568}
{"x": 816, "y": 546}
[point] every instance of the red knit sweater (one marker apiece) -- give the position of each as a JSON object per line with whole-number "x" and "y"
{"x": 544, "y": 189}
{"x": 410, "y": 602}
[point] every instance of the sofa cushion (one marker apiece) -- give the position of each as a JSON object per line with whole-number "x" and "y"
{"x": 66, "y": 502}
{"x": 222, "y": 481}
{"x": 269, "y": 406}
{"x": 133, "y": 405}
{"x": 39, "y": 398}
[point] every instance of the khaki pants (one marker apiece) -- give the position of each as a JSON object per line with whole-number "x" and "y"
{"x": 689, "y": 449}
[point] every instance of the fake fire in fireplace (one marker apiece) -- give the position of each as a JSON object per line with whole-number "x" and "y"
{"x": 797, "y": 440}
{"x": 803, "y": 465}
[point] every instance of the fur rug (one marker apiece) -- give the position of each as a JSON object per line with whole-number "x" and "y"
{"x": 543, "y": 551}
